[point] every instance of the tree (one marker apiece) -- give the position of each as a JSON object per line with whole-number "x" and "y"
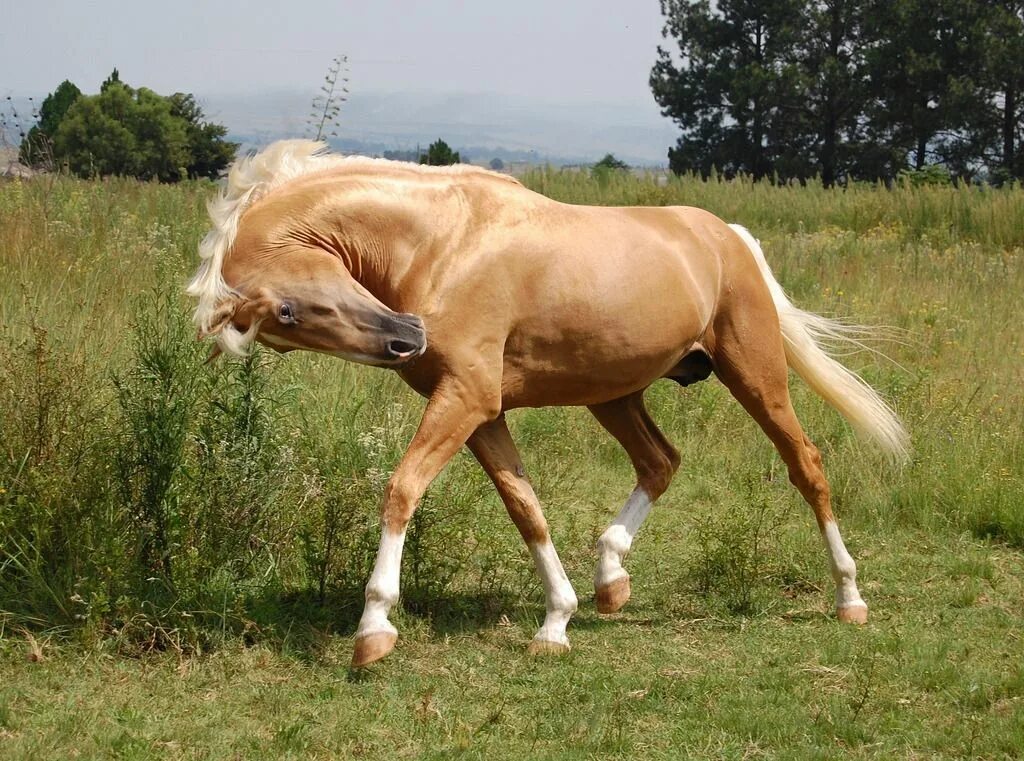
{"x": 826, "y": 92}
{"x": 846, "y": 89}
{"x": 440, "y": 154}
{"x": 725, "y": 91}
{"x": 122, "y": 131}
{"x": 924, "y": 60}
{"x": 610, "y": 163}
{"x": 36, "y": 147}
{"x": 113, "y": 79}
{"x": 209, "y": 152}
{"x": 1003, "y": 85}
{"x": 497, "y": 164}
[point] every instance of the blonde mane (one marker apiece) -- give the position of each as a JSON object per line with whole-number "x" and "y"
{"x": 251, "y": 178}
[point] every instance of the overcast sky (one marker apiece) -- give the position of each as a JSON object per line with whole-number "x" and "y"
{"x": 568, "y": 50}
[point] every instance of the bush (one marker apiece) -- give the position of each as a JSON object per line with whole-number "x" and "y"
{"x": 931, "y": 175}
{"x": 127, "y": 132}
{"x": 736, "y": 548}
{"x": 157, "y": 396}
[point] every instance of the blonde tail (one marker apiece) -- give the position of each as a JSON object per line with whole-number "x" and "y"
{"x": 804, "y": 336}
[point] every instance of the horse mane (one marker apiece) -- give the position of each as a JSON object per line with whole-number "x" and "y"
{"x": 254, "y": 176}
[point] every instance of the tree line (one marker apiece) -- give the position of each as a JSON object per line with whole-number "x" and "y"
{"x": 844, "y": 89}
{"x": 126, "y": 131}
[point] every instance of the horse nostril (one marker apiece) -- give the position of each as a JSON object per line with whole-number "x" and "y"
{"x": 401, "y": 349}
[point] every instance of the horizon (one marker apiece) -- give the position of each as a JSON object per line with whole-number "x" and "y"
{"x": 580, "y": 54}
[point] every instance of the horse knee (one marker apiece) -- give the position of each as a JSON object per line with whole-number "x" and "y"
{"x": 529, "y": 519}
{"x": 400, "y": 499}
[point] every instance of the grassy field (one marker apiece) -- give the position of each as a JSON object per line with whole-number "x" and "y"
{"x": 183, "y": 547}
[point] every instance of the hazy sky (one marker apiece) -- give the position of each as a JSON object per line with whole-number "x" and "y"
{"x": 557, "y": 49}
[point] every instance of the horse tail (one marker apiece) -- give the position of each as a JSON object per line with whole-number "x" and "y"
{"x": 805, "y": 337}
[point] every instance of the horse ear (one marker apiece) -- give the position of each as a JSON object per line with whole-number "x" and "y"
{"x": 221, "y": 316}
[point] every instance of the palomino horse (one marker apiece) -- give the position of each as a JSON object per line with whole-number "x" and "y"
{"x": 484, "y": 297}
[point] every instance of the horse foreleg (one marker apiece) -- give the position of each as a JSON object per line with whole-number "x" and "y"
{"x": 450, "y": 417}
{"x": 493, "y": 447}
{"x": 655, "y": 461}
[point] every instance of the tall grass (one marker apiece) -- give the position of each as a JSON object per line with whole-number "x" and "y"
{"x": 987, "y": 215}
{"x": 146, "y": 495}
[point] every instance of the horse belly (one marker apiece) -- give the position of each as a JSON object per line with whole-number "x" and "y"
{"x": 602, "y": 342}
{"x": 529, "y": 384}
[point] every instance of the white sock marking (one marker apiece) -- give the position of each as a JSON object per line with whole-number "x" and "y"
{"x": 618, "y": 538}
{"x": 844, "y": 570}
{"x": 383, "y": 587}
{"x": 558, "y": 592}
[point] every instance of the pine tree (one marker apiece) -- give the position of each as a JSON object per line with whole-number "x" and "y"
{"x": 726, "y": 90}
{"x": 36, "y": 147}
{"x": 440, "y": 154}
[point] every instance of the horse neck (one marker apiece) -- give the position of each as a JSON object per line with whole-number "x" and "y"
{"x": 386, "y": 239}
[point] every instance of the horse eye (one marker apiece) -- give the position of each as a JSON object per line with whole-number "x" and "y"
{"x": 286, "y": 313}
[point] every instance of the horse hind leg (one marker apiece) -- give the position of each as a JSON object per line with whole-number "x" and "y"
{"x": 655, "y": 461}
{"x": 750, "y": 360}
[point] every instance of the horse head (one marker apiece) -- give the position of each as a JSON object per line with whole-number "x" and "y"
{"x": 305, "y": 298}
{"x": 264, "y": 278}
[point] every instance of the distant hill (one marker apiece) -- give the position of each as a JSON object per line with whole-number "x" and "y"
{"x": 481, "y": 126}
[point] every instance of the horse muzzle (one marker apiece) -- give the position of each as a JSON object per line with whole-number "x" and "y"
{"x": 406, "y": 339}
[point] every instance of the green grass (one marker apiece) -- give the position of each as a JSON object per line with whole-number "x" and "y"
{"x": 182, "y": 548}
{"x": 937, "y": 674}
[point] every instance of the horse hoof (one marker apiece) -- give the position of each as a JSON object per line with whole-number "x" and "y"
{"x": 372, "y": 647}
{"x": 853, "y": 614}
{"x": 543, "y": 647}
{"x": 611, "y": 597}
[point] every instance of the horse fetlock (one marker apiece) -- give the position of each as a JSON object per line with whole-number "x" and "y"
{"x": 850, "y": 607}
{"x": 614, "y": 543}
{"x": 561, "y": 604}
{"x": 552, "y": 633}
{"x": 565, "y": 602}
{"x": 611, "y": 549}
{"x": 555, "y": 623}
{"x": 847, "y": 594}
{"x": 382, "y": 595}
{"x": 380, "y": 598}
{"x": 375, "y": 616}
{"x": 844, "y": 571}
